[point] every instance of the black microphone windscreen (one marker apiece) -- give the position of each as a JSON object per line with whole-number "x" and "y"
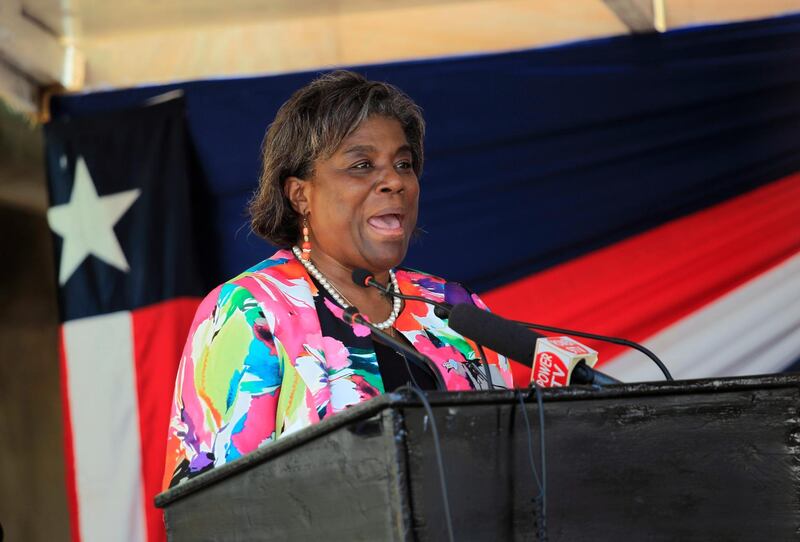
{"x": 501, "y": 335}
{"x": 442, "y": 311}
{"x": 362, "y": 277}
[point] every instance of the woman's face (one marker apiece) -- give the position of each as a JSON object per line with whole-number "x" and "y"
{"x": 362, "y": 201}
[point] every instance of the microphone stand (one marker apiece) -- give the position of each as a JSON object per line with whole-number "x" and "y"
{"x": 582, "y": 374}
{"x": 441, "y": 310}
{"x": 353, "y": 316}
{"x": 585, "y": 374}
{"x": 603, "y": 338}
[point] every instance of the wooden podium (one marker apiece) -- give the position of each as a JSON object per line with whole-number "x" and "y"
{"x": 690, "y": 460}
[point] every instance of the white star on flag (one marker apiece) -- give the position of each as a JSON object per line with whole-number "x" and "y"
{"x": 86, "y": 224}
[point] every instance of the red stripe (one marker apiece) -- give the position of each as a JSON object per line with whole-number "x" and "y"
{"x": 159, "y": 333}
{"x": 520, "y": 373}
{"x": 641, "y": 285}
{"x": 69, "y": 451}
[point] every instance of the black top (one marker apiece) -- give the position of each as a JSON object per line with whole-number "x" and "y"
{"x": 395, "y": 370}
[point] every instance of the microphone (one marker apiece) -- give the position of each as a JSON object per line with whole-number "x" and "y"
{"x": 509, "y": 338}
{"x": 561, "y": 361}
{"x": 516, "y": 335}
{"x": 557, "y": 361}
{"x": 365, "y": 279}
{"x": 604, "y": 338}
{"x": 352, "y": 316}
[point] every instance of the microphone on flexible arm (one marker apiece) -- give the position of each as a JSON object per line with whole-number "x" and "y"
{"x": 557, "y": 361}
{"x": 511, "y": 335}
{"x": 365, "y": 279}
{"x": 603, "y": 338}
{"x": 352, "y": 316}
{"x": 442, "y": 310}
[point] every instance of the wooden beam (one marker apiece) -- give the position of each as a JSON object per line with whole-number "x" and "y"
{"x": 640, "y": 16}
{"x": 37, "y": 53}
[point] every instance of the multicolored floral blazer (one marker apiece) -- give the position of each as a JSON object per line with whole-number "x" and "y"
{"x": 256, "y": 365}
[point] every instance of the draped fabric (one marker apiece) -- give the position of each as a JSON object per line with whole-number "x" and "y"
{"x": 643, "y": 186}
{"x": 541, "y": 155}
{"x": 127, "y": 222}
{"x": 713, "y": 293}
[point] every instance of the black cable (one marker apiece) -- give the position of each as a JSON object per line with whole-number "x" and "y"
{"x": 486, "y": 370}
{"x": 352, "y": 316}
{"x": 408, "y": 368}
{"x": 603, "y": 338}
{"x": 439, "y": 460}
{"x": 540, "y": 501}
{"x": 530, "y": 441}
{"x": 543, "y": 500}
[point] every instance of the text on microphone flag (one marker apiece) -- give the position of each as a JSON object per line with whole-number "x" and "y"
{"x": 549, "y": 371}
{"x": 570, "y": 345}
{"x": 555, "y": 358}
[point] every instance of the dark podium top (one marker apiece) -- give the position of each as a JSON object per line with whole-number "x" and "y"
{"x": 690, "y": 460}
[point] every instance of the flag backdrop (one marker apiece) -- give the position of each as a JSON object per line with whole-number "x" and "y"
{"x": 640, "y": 186}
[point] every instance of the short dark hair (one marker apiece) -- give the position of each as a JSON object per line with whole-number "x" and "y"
{"x": 311, "y": 125}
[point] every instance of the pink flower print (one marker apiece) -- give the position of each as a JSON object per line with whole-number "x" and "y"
{"x": 338, "y": 312}
{"x": 337, "y": 357}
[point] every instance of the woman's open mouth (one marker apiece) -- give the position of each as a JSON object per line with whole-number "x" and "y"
{"x": 387, "y": 223}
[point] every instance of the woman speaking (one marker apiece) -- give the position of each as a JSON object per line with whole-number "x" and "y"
{"x": 269, "y": 352}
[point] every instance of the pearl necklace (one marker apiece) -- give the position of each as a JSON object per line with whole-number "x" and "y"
{"x": 340, "y": 299}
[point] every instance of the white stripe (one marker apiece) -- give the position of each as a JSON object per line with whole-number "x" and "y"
{"x": 105, "y": 427}
{"x": 755, "y": 329}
